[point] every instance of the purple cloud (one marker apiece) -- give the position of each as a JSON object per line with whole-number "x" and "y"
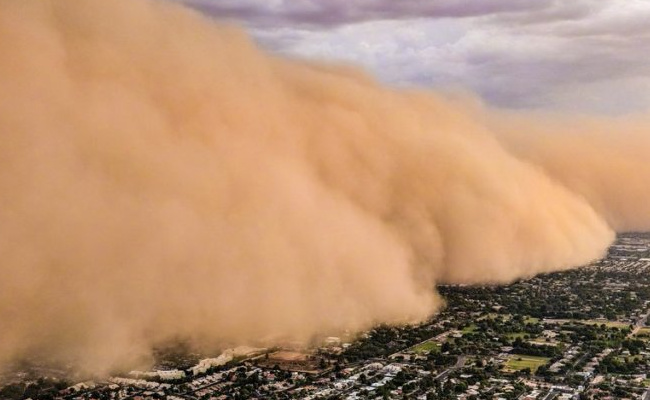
{"x": 331, "y": 13}
{"x": 591, "y": 55}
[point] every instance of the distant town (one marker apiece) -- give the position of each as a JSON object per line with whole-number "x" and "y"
{"x": 579, "y": 334}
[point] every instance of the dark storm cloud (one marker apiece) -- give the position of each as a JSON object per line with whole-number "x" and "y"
{"x": 326, "y": 14}
{"x": 517, "y": 54}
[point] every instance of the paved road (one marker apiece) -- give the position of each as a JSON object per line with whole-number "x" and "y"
{"x": 459, "y": 364}
{"x": 581, "y": 359}
{"x": 639, "y": 324}
{"x": 550, "y": 395}
{"x": 443, "y": 374}
{"x": 646, "y": 395}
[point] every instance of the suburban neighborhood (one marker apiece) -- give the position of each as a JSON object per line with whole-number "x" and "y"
{"x": 579, "y": 334}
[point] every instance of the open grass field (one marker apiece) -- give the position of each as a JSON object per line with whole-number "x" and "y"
{"x": 543, "y": 342}
{"x": 518, "y": 362}
{"x": 290, "y": 361}
{"x": 609, "y": 324}
{"x": 643, "y": 332}
{"x": 469, "y": 328}
{"x": 623, "y": 359}
{"x": 426, "y": 347}
{"x": 515, "y": 335}
{"x": 505, "y": 317}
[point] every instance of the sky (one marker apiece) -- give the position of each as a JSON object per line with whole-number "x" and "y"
{"x": 566, "y": 55}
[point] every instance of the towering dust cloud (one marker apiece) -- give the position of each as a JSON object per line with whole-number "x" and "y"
{"x": 162, "y": 178}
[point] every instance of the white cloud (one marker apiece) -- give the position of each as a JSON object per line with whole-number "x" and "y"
{"x": 584, "y": 54}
